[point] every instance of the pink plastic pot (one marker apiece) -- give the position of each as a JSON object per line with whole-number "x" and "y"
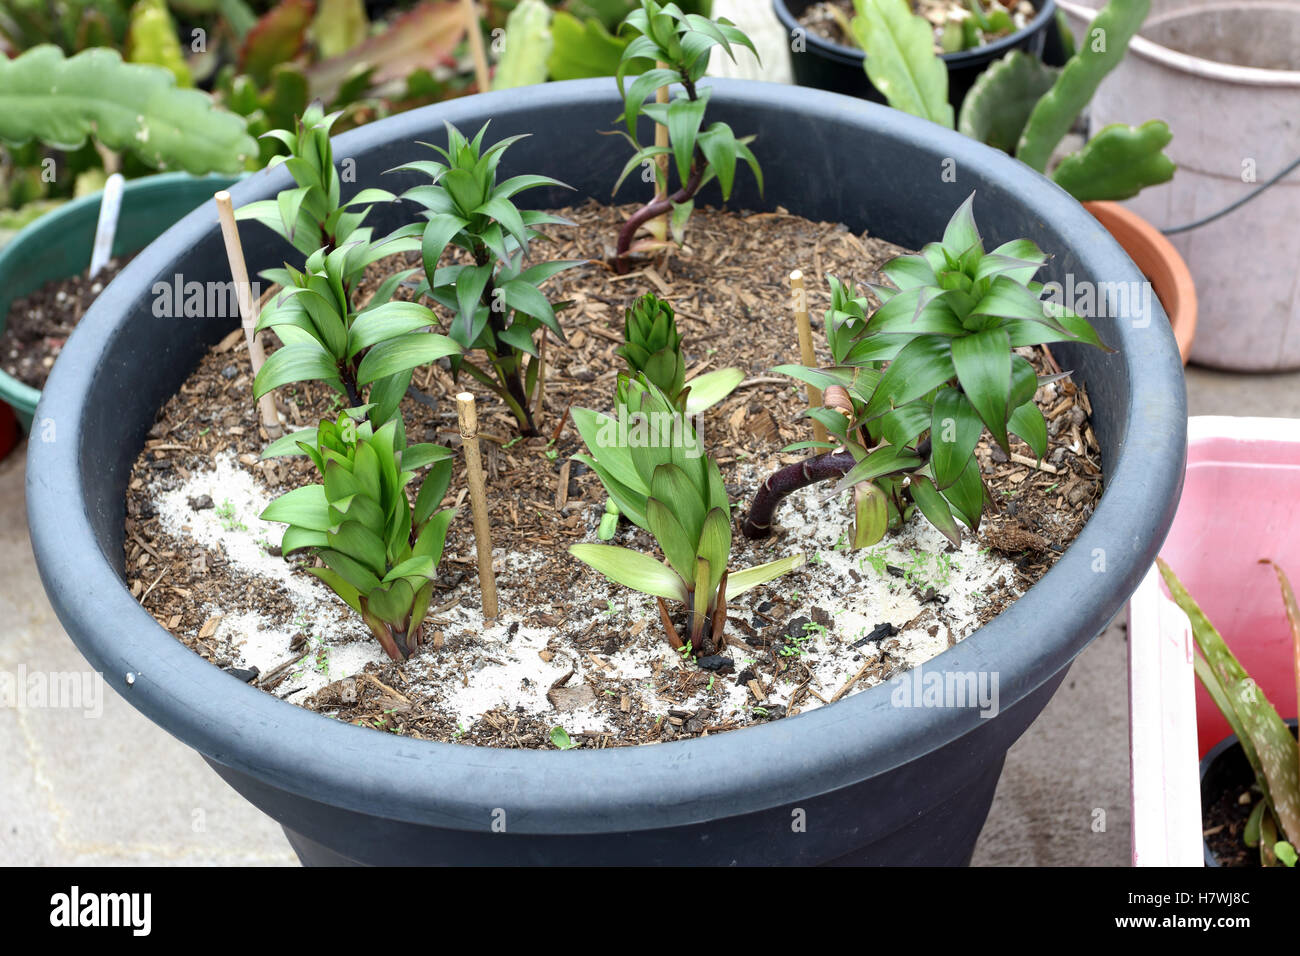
{"x": 1240, "y": 503}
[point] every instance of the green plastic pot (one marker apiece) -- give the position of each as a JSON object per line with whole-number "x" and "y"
{"x": 58, "y": 245}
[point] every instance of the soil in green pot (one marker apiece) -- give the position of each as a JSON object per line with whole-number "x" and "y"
{"x": 40, "y": 322}
{"x": 572, "y": 650}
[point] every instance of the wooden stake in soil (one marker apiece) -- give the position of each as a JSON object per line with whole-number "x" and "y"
{"x": 659, "y": 227}
{"x": 541, "y": 383}
{"x": 248, "y": 308}
{"x": 806, "y": 354}
{"x": 476, "y": 45}
{"x": 468, "y": 416}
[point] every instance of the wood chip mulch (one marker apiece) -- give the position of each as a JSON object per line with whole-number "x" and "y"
{"x": 729, "y": 287}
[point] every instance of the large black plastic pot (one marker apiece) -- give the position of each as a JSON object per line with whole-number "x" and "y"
{"x": 824, "y": 65}
{"x": 1225, "y": 769}
{"x": 868, "y": 779}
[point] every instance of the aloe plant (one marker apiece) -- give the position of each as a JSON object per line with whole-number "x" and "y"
{"x": 311, "y": 216}
{"x": 62, "y": 101}
{"x": 496, "y": 300}
{"x": 1021, "y": 106}
{"x": 380, "y": 552}
{"x": 367, "y": 355}
{"x": 665, "y": 482}
{"x": 916, "y": 382}
{"x": 1273, "y": 753}
{"x": 682, "y": 41}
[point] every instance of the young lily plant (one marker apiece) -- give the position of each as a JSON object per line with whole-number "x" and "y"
{"x": 652, "y": 346}
{"x": 674, "y": 491}
{"x": 380, "y": 553}
{"x": 366, "y": 356}
{"x": 310, "y": 215}
{"x": 916, "y": 382}
{"x": 681, "y": 42}
{"x": 1274, "y": 822}
{"x": 497, "y": 303}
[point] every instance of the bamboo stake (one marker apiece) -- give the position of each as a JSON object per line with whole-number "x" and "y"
{"x": 476, "y": 47}
{"x": 468, "y": 417}
{"x": 248, "y": 308}
{"x": 806, "y": 354}
{"x": 659, "y": 227}
{"x": 541, "y": 383}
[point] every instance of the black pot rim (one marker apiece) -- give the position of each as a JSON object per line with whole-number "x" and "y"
{"x": 631, "y": 788}
{"x": 987, "y": 53}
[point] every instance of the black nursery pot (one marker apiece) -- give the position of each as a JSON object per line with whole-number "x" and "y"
{"x": 1224, "y": 769}
{"x": 889, "y": 775}
{"x": 838, "y": 68}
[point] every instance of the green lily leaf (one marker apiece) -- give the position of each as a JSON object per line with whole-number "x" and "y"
{"x": 631, "y": 569}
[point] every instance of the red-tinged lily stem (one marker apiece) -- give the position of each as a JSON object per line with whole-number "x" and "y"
{"x": 831, "y": 464}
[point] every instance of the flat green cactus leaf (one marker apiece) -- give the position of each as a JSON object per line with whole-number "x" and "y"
{"x": 128, "y": 107}
{"x": 1118, "y": 162}
{"x": 527, "y": 46}
{"x": 152, "y": 39}
{"x": 998, "y": 105}
{"x": 1101, "y": 50}
{"x": 900, "y": 60}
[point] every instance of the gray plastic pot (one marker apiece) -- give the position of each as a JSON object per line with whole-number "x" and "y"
{"x": 1226, "y": 78}
{"x": 57, "y": 246}
{"x": 868, "y": 779}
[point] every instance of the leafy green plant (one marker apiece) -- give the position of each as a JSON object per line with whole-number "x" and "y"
{"x": 1265, "y": 739}
{"x": 278, "y": 63}
{"x": 652, "y": 346}
{"x": 367, "y": 355}
{"x": 646, "y": 431}
{"x": 61, "y": 101}
{"x": 685, "y": 507}
{"x": 915, "y": 383}
{"x": 380, "y": 553}
{"x": 1022, "y": 106}
{"x": 496, "y": 302}
{"x": 682, "y": 41}
{"x": 310, "y": 216}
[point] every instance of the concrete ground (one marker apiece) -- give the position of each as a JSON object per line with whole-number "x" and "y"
{"x": 101, "y": 785}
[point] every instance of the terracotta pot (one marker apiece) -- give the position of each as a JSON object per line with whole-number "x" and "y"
{"x": 1160, "y": 262}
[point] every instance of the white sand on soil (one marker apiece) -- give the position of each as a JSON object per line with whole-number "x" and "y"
{"x": 497, "y": 668}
